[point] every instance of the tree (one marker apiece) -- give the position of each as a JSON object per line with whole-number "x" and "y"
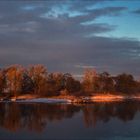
{"x": 105, "y": 82}
{"x": 54, "y": 84}
{"x": 14, "y": 77}
{"x": 58, "y": 82}
{"x": 38, "y": 74}
{"x": 125, "y": 83}
{"x": 2, "y": 81}
{"x": 89, "y": 80}
{"x": 71, "y": 85}
{"x": 27, "y": 84}
{"x": 138, "y": 86}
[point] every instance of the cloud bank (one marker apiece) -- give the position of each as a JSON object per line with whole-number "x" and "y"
{"x": 58, "y": 35}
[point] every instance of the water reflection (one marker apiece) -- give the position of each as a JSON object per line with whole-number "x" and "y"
{"x": 35, "y": 117}
{"x": 14, "y": 116}
{"x": 124, "y": 111}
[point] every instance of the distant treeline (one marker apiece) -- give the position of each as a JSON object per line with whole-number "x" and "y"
{"x": 16, "y": 80}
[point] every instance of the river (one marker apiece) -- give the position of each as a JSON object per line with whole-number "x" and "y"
{"x": 99, "y": 121}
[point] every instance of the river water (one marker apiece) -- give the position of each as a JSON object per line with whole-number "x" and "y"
{"x": 99, "y": 121}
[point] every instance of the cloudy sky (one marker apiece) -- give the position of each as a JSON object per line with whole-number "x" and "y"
{"x": 71, "y": 35}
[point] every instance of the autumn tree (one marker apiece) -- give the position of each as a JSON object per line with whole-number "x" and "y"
{"x": 15, "y": 80}
{"x": 38, "y": 74}
{"x": 14, "y": 77}
{"x": 2, "y": 81}
{"x": 89, "y": 81}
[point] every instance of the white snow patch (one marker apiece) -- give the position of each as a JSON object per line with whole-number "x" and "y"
{"x": 44, "y": 100}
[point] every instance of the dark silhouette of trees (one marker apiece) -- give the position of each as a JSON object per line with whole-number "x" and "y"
{"x": 58, "y": 82}
{"x": 70, "y": 84}
{"x": 16, "y": 80}
{"x": 105, "y": 82}
{"x": 54, "y": 84}
{"x": 38, "y": 74}
{"x": 27, "y": 83}
{"x": 2, "y": 81}
{"x": 137, "y": 90}
{"x": 125, "y": 83}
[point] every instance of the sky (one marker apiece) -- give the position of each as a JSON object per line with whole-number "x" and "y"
{"x": 71, "y": 35}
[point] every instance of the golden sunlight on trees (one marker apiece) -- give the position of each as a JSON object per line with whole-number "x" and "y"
{"x": 16, "y": 80}
{"x": 90, "y": 81}
{"x": 14, "y": 77}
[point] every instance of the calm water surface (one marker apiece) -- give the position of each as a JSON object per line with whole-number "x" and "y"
{"x": 101, "y": 121}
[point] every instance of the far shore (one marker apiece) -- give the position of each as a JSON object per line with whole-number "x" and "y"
{"x": 71, "y": 99}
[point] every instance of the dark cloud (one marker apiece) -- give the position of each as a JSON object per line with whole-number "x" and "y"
{"x": 114, "y": 55}
{"x": 136, "y": 11}
{"x": 60, "y": 41}
{"x": 25, "y": 19}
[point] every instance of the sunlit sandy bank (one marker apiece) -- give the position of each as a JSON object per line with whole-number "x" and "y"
{"x": 113, "y": 98}
{"x": 107, "y": 98}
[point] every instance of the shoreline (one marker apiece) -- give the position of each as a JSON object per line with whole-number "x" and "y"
{"x": 72, "y": 99}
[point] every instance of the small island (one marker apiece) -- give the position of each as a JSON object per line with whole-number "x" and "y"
{"x": 36, "y": 84}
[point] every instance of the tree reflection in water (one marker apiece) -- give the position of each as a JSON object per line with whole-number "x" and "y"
{"x": 14, "y": 116}
{"x": 124, "y": 111}
{"x": 34, "y": 117}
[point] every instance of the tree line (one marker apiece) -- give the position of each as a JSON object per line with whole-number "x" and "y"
{"x": 16, "y": 80}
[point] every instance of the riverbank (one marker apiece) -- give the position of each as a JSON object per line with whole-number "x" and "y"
{"x": 72, "y": 99}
